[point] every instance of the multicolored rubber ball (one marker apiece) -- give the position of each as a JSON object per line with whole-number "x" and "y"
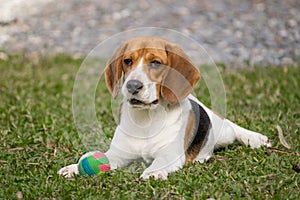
{"x": 94, "y": 164}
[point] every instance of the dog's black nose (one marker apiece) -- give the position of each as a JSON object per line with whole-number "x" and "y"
{"x": 134, "y": 86}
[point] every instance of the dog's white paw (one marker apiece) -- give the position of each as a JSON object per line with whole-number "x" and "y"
{"x": 156, "y": 175}
{"x": 265, "y": 141}
{"x": 258, "y": 140}
{"x": 69, "y": 171}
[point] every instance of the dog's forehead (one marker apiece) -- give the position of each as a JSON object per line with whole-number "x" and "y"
{"x": 145, "y": 42}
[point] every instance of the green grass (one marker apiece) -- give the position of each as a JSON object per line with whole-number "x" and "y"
{"x": 38, "y": 136}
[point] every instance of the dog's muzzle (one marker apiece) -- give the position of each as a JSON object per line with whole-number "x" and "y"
{"x": 134, "y": 87}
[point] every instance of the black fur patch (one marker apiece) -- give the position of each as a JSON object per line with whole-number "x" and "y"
{"x": 202, "y": 126}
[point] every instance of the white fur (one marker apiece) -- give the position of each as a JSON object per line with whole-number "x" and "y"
{"x": 159, "y": 139}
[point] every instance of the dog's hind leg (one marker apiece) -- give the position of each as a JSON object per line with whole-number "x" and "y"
{"x": 231, "y": 132}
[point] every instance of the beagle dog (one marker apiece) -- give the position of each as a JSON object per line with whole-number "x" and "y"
{"x": 160, "y": 121}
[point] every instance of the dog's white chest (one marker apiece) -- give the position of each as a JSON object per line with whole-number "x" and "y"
{"x": 144, "y": 132}
{"x": 148, "y": 124}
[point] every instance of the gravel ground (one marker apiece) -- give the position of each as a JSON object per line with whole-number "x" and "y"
{"x": 232, "y": 31}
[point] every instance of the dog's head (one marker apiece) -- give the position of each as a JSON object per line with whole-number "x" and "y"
{"x": 153, "y": 69}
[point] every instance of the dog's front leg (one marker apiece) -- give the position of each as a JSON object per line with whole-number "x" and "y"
{"x": 161, "y": 167}
{"x": 118, "y": 159}
{"x": 115, "y": 160}
{"x": 164, "y": 163}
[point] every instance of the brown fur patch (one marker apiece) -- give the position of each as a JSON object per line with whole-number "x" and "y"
{"x": 200, "y": 133}
{"x": 189, "y": 135}
{"x": 181, "y": 78}
{"x": 158, "y": 88}
{"x": 113, "y": 71}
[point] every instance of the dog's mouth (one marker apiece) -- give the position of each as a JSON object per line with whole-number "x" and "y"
{"x": 139, "y": 103}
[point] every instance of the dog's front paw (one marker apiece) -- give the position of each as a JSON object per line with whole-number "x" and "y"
{"x": 156, "y": 175}
{"x": 69, "y": 171}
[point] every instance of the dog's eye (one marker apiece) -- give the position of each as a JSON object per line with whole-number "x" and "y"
{"x": 128, "y": 62}
{"x": 155, "y": 64}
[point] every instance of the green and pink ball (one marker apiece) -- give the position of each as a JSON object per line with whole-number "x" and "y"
{"x": 94, "y": 164}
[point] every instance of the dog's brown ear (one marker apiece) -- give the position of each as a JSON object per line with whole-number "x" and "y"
{"x": 182, "y": 75}
{"x": 113, "y": 71}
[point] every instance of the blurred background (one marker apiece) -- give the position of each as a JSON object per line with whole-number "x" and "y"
{"x": 234, "y": 32}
